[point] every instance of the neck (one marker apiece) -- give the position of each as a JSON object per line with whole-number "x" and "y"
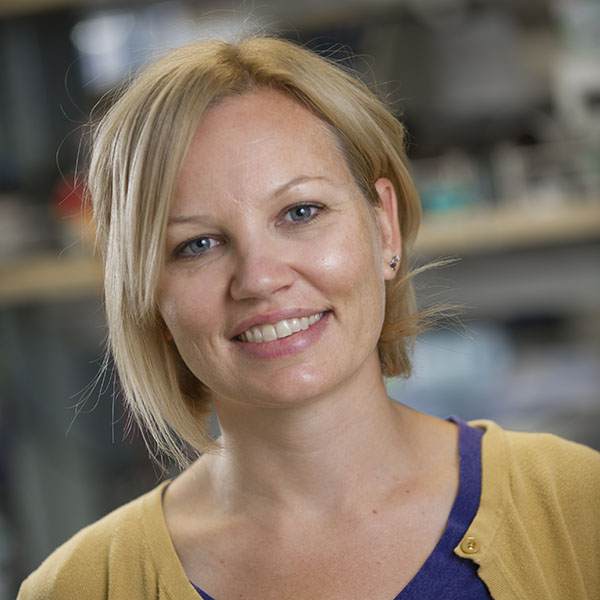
{"x": 323, "y": 455}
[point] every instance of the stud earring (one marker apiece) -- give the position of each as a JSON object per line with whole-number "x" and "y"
{"x": 394, "y": 262}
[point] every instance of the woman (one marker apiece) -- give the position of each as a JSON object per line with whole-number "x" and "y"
{"x": 254, "y": 210}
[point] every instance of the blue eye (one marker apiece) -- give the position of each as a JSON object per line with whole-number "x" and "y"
{"x": 197, "y": 246}
{"x": 301, "y": 213}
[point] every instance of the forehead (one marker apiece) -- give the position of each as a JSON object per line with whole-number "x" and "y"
{"x": 259, "y": 140}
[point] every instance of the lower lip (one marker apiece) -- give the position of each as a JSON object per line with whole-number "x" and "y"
{"x": 292, "y": 344}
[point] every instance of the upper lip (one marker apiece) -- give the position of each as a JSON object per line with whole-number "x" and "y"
{"x": 273, "y": 317}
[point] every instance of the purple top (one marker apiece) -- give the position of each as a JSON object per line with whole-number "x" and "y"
{"x": 444, "y": 575}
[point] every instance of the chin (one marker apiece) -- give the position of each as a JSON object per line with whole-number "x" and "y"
{"x": 290, "y": 387}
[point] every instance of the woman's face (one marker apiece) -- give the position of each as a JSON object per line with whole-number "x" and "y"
{"x": 270, "y": 239}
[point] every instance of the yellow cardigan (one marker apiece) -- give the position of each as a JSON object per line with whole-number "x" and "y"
{"x": 536, "y": 534}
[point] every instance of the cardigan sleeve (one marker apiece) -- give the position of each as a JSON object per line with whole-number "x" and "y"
{"x": 127, "y": 554}
{"x": 93, "y": 564}
{"x": 537, "y": 533}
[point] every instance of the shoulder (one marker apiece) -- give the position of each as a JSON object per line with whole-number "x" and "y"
{"x": 542, "y": 462}
{"x": 538, "y": 523}
{"x": 84, "y": 566}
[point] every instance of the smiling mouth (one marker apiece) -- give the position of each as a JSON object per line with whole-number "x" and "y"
{"x": 275, "y": 331}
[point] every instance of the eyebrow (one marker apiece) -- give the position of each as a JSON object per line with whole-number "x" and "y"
{"x": 180, "y": 219}
{"x": 298, "y": 181}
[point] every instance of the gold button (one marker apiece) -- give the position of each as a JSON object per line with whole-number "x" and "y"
{"x": 469, "y": 545}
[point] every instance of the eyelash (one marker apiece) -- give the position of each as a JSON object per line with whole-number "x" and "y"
{"x": 319, "y": 208}
{"x": 179, "y": 252}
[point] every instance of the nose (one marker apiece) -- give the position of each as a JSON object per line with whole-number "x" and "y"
{"x": 260, "y": 272}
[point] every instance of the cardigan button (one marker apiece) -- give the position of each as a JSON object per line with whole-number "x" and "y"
{"x": 469, "y": 545}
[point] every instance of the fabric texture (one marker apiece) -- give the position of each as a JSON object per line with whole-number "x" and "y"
{"x": 536, "y": 534}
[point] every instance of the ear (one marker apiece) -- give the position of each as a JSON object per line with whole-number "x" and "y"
{"x": 387, "y": 217}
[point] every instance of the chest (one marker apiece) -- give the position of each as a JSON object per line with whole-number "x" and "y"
{"x": 374, "y": 558}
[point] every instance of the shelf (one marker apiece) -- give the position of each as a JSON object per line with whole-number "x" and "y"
{"x": 508, "y": 229}
{"x": 49, "y": 277}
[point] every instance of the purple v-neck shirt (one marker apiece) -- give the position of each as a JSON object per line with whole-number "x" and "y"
{"x": 444, "y": 575}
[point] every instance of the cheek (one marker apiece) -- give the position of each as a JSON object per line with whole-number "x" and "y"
{"x": 176, "y": 322}
{"x": 170, "y": 311}
{"x": 185, "y": 309}
{"x": 351, "y": 244}
{"x": 187, "y": 326}
{"x": 350, "y": 267}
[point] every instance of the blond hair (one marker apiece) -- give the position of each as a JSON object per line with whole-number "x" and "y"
{"x": 138, "y": 150}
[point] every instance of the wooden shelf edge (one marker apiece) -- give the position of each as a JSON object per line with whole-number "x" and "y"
{"x": 507, "y": 229}
{"x": 49, "y": 277}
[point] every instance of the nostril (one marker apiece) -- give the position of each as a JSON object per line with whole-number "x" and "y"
{"x": 260, "y": 278}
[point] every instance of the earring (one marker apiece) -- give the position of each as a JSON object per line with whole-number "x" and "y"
{"x": 394, "y": 262}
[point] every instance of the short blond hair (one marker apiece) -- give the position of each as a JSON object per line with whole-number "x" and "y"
{"x": 138, "y": 150}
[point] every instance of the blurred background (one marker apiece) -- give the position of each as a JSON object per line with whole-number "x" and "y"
{"x": 502, "y": 102}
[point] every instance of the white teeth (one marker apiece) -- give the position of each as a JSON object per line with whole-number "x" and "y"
{"x": 281, "y": 329}
{"x": 269, "y": 333}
